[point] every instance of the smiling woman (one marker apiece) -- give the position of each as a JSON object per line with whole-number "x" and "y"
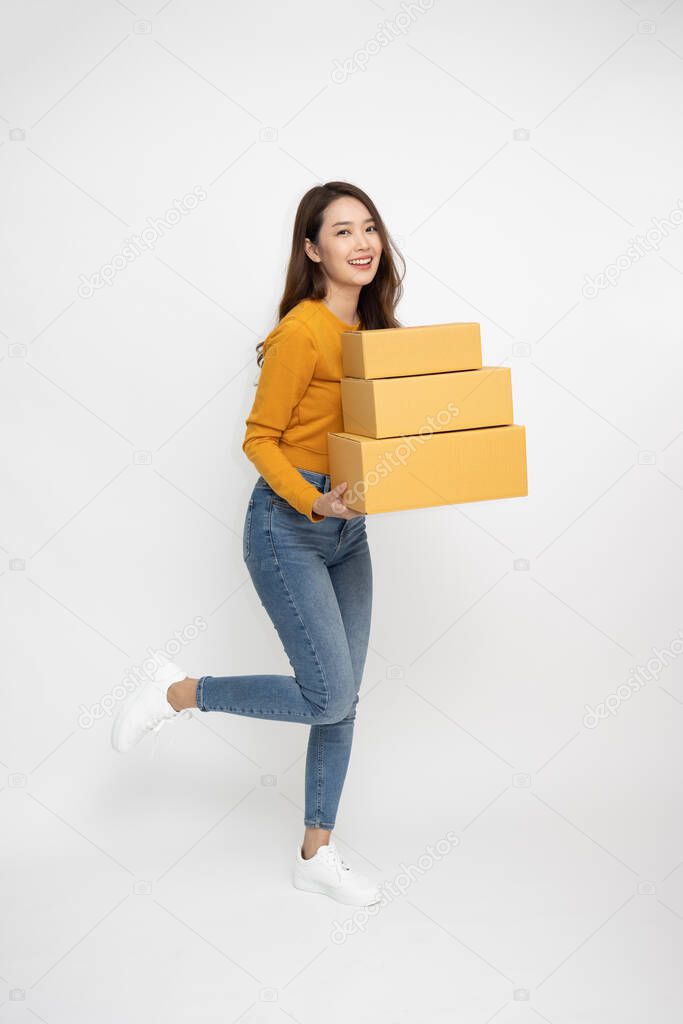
{"x": 336, "y": 225}
{"x": 307, "y": 553}
{"x": 341, "y": 276}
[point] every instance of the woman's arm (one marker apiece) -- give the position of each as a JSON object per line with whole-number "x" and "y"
{"x": 290, "y": 357}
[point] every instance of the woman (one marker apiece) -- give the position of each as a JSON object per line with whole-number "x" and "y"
{"x": 306, "y": 551}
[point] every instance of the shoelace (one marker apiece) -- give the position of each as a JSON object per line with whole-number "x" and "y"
{"x": 157, "y": 724}
{"x": 335, "y": 858}
{"x": 160, "y": 721}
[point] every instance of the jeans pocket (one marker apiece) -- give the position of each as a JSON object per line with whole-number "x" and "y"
{"x": 246, "y": 534}
{"x": 283, "y": 505}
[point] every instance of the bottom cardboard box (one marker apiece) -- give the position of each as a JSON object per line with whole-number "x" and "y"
{"x": 392, "y": 474}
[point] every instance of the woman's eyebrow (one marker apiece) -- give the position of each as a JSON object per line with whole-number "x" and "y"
{"x": 338, "y": 222}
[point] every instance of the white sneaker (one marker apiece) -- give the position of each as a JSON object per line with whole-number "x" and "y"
{"x": 328, "y": 873}
{"x": 146, "y": 710}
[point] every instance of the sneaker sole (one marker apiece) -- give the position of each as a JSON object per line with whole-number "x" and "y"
{"x": 118, "y": 721}
{"x": 305, "y": 886}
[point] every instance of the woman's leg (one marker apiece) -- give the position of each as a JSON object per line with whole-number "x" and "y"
{"x": 295, "y": 587}
{"x": 329, "y": 745}
{"x": 315, "y": 582}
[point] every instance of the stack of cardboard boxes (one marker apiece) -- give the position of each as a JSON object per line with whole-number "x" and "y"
{"x": 424, "y": 422}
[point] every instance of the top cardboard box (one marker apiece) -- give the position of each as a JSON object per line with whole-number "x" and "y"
{"x": 408, "y": 351}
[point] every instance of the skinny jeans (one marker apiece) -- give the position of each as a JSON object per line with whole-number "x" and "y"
{"x": 315, "y": 582}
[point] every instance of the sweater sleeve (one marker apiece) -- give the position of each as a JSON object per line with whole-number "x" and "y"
{"x": 289, "y": 360}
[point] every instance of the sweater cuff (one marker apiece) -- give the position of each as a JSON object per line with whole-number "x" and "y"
{"x": 308, "y": 499}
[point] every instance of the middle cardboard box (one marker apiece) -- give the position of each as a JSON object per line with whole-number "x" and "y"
{"x": 391, "y": 406}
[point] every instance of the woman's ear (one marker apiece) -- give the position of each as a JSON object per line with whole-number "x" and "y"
{"x": 311, "y": 250}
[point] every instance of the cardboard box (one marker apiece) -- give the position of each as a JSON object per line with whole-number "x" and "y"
{"x": 406, "y": 351}
{"x": 397, "y": 473}
{"x": 391, "y": 406}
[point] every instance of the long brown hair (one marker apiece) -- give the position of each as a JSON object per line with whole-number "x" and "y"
{"x": 305, "y": 278}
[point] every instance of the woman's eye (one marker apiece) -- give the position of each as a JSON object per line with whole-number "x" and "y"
{"x": 370, "y": 228}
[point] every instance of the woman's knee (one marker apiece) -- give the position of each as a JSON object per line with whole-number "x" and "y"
{"x": 339, "y": 707}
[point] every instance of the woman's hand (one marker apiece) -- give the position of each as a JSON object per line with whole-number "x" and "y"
{"x": 330, "y": 504}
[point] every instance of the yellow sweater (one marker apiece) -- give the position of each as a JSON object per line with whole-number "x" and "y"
{"x": 298, "y": 400}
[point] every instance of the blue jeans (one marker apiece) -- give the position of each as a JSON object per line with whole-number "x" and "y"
{"x": 315, "y": 582}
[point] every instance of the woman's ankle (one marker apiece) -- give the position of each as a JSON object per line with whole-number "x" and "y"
{"x": 314, "y": 838}
{"x": 183, "y": 694}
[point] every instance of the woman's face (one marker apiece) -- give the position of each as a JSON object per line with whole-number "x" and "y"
{"x": 348, "y": 233}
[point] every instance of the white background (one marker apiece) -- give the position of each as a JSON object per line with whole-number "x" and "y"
{"x": 513, "y": 149}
